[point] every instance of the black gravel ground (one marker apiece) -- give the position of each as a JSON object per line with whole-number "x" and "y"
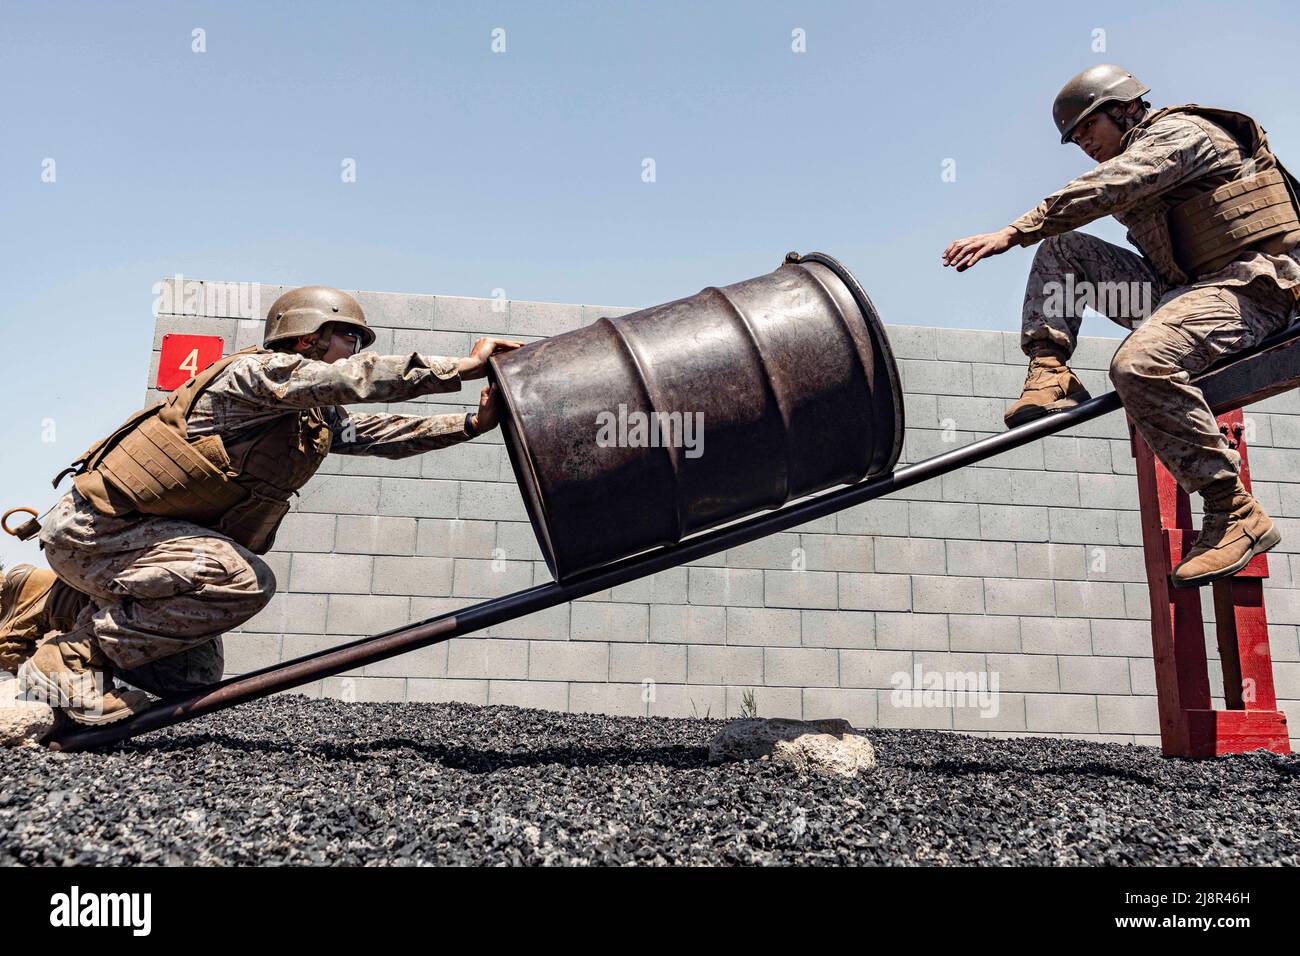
{"x": 299, "y": 781}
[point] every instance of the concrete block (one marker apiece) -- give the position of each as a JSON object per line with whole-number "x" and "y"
{"x": 634, "y": 663}
{"x": 1019, "y": 596}
{"x": 857, "y": 706}
{"x": 979, "y": 485}
{"x": 997, "y": 381}
{"x": 490, "y": 501}
{"x": 690, "y": 624}
{"x": 1074, "y": 455}
{"x": 543, "y": 318}
{"x": 1128, "y": 715}
{"x": 1054, "y": 561}
{"x": 486, "y": 658}
{"x": 412, "y": 575}
{"x": 1087, "y": 598}
{"x": 742, "y": 587}
{"x": 969, "y": 345}
{"x": 1000, "y": 712}
{"x": 1012, "y": 523}
{"x": 365, "y": 614}
{"x": 418, "y": 497}
{"x": 443, "y": 343}
{"x": 1045, "y": 488}
{"x": 803, "y": 589}
{"x": 475, "y": 578}
{"x": 1061, "y": 713}
{"x": 880, "y": 517}
{"x": 928, "y": 632}
{"x": 837, "y": 552}
{"x": 1094, "y": 675}
{"x": 800, "y": 667}
{"x": 372, "y": 534}
{"x": 944, "y": 595}
{"x": 304, "y": 531}
{"x": 874, "y": 668}
{"x": 688, "y": 700}
{"x": 978, "y": 558}
{"x": 568, "y": 660}
{"x": 1109, "y": 492}
{"x": 623, "y": 700}
{"x": 935, "y": 378}
{"x": 875, "y": 592}
{"x": 718, "y": 664}
{"x": 972, "y": 632}
{"x": 1082, "y": 526}
{"x": 894, "y": 708}
{"x": 607, "y": 621}
{"x": 339, "y": 494}
{"x": 288, "y": 612}
{"x": 769, "y": 701}
{"x": 1024, "y": 672}
{"x": 909, "y": 555}
{"x": 913, "y": 342}
{"x": 331, "y": 573}
{"x": 934, "y": 519}
{"x": 838, "y": 628}
{"x": 457, "y": 538}
{"x": 1055, "y": 635}
{"x": 763, "y": 626}
{"x": 249, "y": 652}
{"x": 774, "y": 551}
{"x": 477, "y": 316}
{"x": 471, "y": 461}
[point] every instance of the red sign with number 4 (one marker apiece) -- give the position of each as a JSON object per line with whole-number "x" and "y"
{"x": 184, "y": 356}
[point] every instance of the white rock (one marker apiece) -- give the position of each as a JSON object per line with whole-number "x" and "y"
{"x": 820, "y": 746}
{"x": 23, "y": 723}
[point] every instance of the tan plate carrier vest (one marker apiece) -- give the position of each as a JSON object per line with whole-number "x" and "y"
{"x": 1198, "y": 227}
{"x": 240, "y": 488}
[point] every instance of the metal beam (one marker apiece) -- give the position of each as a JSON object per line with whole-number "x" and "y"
{"x": 1271, "y": 368}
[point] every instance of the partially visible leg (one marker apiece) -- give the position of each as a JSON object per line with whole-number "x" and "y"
{"x": 1074, "y": 271}
{"x": 1071, "y": 273}
{"x": 33, "y": 601}
{"x": 1190, "y": 330}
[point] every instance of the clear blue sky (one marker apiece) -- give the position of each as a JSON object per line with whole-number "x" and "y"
{"x": 522, "y": 170}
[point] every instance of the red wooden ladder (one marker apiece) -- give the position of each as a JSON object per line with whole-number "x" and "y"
{"x": 1189, "y": 724}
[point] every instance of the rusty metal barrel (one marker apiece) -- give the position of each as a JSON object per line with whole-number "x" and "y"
{"x": 638, "y": 431}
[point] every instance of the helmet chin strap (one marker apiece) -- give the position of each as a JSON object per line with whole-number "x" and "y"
{"x": 1122, "y": 119}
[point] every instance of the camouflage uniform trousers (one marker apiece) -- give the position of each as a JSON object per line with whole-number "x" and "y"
{"x": 1189, "y": 328}
{"x": 162, "y": 591}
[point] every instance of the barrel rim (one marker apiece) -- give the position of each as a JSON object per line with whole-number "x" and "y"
{"x": 879, "y": 340}
{"x": 521, "y": 462}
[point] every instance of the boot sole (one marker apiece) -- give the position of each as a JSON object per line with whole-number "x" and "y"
{"x": 33, "y": 681}
{"x": 1034, "y": 412}
{"x": 1271, "y": 539}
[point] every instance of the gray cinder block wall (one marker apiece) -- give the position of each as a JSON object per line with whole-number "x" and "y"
{"x": 1022, "y": 577}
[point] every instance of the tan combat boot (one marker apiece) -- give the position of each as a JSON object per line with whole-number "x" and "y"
{"x": 74, "y": 675}
{"x": 1235, "y": 529}
{"x": 1050, "y": 387}
{"x": 22, "y": 599}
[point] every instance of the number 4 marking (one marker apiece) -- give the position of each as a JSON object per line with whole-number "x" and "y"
{"x": 191, "y": 363}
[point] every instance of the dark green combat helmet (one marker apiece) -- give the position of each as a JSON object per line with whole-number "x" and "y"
{"x": 1090, "y": 90}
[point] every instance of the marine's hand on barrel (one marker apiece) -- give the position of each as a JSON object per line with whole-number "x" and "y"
{"x": 964, "y": 253}
{"x": 474, "y": 365}
{"x": 485, "y": 419}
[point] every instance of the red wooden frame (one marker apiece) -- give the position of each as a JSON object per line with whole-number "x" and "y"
{"x": 1189, "y": 725}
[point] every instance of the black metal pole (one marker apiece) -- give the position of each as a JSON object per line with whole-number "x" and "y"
{"x": 1278, "y": 356}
